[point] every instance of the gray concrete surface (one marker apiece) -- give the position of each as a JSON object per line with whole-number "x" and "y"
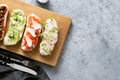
{"x": 92, "y": 47}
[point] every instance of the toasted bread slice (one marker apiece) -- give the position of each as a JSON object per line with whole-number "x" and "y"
{"x": 3, "y": 16}
{"x": 16, "y": 27}
{"x": 50, "y": 37}
{"x": 33, "y": 28}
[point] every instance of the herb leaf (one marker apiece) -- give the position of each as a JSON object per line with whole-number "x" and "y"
{"x": 44, "y": 24}
{"x": 51, "y": 18}
{"x": 43, "y": 44}
{"x": 40, "y": 35}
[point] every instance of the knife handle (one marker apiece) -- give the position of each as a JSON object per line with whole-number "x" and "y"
{"x": 5, "y": 58}
{"x": 8, "y": 59}
{"x": 13, "y": 60}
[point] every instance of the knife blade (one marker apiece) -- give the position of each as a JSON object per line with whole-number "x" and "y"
{"x": 22, "y": 68}
{"x": 19, "y": 67}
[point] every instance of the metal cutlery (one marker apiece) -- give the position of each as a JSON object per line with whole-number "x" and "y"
{"x": 19, "y": 67}
{"x": 24, "y": 62}
{"x": 14, "y": 63}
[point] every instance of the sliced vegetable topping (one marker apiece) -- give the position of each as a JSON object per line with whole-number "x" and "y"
{"x": 33, "y": 29}
{"x": 16, "y": 27}
{"x": 50, "y": 36}
{"x": 3, "y": 16}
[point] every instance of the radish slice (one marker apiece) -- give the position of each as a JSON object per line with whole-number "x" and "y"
{"x": 50, "y": 37}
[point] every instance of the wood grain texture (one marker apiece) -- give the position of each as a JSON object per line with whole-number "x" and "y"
{"x": 63, "y": 24}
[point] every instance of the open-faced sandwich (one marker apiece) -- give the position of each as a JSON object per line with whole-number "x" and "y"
{"x": 16, "y": 27}
{"x": 50, "y": 36}
{"x": 30, "y": 37}
{"x": 3, "y": 17}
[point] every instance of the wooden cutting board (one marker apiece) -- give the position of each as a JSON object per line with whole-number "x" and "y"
{"x": 63, "y": 23}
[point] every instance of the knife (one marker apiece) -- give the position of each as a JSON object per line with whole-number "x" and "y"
{"x": 10, "y": 59}
{"x": 19, "y": 67}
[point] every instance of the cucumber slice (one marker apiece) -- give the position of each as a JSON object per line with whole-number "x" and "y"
{"x": 16, "y": 27}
